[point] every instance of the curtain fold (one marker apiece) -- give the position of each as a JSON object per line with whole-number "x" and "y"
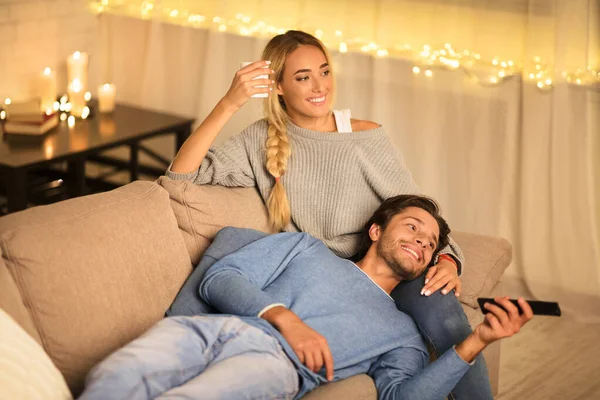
{"x": 508, "y": 149}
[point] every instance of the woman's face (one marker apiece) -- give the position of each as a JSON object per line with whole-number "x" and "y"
{"x": 306, "y": 85}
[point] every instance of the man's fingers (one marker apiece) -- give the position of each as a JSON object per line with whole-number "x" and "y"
{"x": 526, "y": 308}
{"x": 328, "y": 359}
{"x": 318, "y": 360}
{"x": 309, "y": 361}
{"x": 498, "y": 312}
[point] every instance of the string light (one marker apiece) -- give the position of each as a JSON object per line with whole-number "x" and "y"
{"x": 542, "y": 75}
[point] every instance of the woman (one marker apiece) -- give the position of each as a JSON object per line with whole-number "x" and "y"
{"x": 323, "y": 173}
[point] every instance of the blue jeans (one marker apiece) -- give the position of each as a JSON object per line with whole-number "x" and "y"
{"x": 202, "y": 357}
{"x": 443, "y": 324}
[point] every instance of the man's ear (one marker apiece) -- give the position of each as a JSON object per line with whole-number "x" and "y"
{"x": 375, "y": 232}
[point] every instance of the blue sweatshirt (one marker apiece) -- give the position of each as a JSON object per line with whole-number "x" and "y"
{"x": 365, "y": 331}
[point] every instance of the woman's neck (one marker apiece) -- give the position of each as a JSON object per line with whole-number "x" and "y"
{"x": 321, "y": 124}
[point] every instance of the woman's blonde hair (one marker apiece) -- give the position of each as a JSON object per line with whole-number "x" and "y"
{"x": 278, "y": 146}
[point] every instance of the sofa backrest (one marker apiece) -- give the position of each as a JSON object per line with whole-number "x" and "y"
{"x": 202, "y": 210}
{"x": 96, "y": 271}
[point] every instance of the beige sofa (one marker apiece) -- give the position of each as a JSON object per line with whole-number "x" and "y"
{"x": 85, "y": 276}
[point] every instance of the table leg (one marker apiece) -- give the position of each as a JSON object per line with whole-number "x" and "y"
{"x": 134, "y": 164}
{"x": 181, "y": 135}
{"x": 76, "y": 177}
{"x": 15, "y": 180}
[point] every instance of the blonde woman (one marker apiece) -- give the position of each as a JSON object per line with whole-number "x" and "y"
{"x": 321, "y": 172}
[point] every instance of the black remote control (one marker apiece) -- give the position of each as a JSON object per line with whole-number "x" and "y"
{"x": 549, "y": 308}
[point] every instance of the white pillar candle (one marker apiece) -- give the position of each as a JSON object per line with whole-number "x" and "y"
{"x": 77, "y": 68}
{"x": 76, "y": 97}
{"x": 106, "y": 97}
{"x": 47, "y": 90}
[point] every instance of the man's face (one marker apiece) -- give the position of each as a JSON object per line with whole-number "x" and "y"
{"x": 408, "y": 242}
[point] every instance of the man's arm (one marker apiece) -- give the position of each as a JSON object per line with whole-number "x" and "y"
{"x": 403, "y": 373}
{"x": 235, "y": 283}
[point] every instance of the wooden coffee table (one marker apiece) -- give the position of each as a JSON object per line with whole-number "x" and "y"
{"x": 21, "y": 156}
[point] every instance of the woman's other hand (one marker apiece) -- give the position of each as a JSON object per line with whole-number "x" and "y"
{"x": 442, "y": 275}
{"x": 244, "y": 85}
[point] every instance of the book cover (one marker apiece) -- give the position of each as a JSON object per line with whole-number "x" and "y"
{"x": 31, "y": 128}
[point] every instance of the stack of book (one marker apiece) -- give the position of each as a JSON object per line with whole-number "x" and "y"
{"x": 26, "y": 118}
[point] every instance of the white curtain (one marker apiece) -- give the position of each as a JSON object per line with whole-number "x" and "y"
{"x": 505, "y": 154}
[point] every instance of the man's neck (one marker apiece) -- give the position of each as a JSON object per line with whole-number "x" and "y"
{"x": 379, "y": 272}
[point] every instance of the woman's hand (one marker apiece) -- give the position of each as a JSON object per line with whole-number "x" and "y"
{"x": 311, "y": 347}
{"x": 243, "y": 86}
{"x": 443, "y": 274}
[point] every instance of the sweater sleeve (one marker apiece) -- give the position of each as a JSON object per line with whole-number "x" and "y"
{"x": 235, "y": 284}
{"x": 404, "y": 373}
{"x": 225, "y": 165}
{"x": 391, "y": 177}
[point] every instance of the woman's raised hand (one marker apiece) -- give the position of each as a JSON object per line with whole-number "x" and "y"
{"x": 244, "y": 85}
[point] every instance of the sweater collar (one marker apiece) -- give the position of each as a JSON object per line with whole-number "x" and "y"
{"x": 334, "y": 136}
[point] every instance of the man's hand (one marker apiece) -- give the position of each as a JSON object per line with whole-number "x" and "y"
{"x": 499, "y": 323}
{"x": 443, "y": 274}
{"x": 503, "y": 322}
{"x": 311, "y": 348}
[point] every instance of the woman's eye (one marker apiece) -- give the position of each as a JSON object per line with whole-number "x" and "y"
{"x": 325, "y": 73}
{"x": 412, "y": 227}
{"x": 431, "y": 245}
{"x": 302, "y": 78}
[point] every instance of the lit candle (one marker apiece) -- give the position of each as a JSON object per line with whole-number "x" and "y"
{"x": 77, "y": 68}
{"x": 76, "y": 97}
{"x": 106, "y": 97}
{"x": 47, "y": 90}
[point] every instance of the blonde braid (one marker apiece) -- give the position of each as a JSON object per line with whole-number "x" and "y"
{"x": 278, "y": 152}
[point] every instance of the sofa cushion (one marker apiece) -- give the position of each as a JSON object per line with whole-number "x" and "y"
{"x": 487, "y": 258}
{"x": 202, "y": 210}
{"x": 95, "y": 272}
{"x": 27, "y": 371}
{"x": 12, "y": 302}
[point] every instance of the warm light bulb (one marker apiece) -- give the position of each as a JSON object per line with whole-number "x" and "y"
{"x": 85, "y": 112}
{"x": 319, "y": 33}
{"x": 495, "y": 62}
{"x": 493, "y": 79}
{"x": 47, "y": 71}
{"x": 501, "y": 74}
{"x": 343, "y": 47}
{"x": 7, "y": 101}
{"x": 87, "y": 96}
{"x": 64, "y": 99}
{"x": 338, "y": 33}
{"x": 56, "y": 105}
{"x": 63, "y": 116}
{"x": 222, "y": 28}
{"x": 76, "y": 55}
{"x": 2, "y": 114}
{"x": 174, "y": 13}
{"x": 71, "y": 121}
{"x": 531, "y": 75}
{"x": 428, "y": 73}
{"x": 548, "y": 82}
{"x": 382, "y": 53}
{"x": 416, "y": 70}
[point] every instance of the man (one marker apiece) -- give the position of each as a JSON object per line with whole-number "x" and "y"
{"x": 297, "y": 316}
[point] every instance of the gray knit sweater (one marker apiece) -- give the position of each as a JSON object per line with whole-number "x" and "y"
{"x": 334, "y": 181}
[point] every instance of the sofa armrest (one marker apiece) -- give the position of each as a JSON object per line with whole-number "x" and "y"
{"x": 487, "y": 258}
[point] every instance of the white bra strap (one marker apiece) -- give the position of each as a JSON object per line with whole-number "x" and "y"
{"x": 342, "y": 120}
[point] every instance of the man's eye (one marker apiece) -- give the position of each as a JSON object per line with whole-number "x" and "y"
{"x": 431, "y": 245}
